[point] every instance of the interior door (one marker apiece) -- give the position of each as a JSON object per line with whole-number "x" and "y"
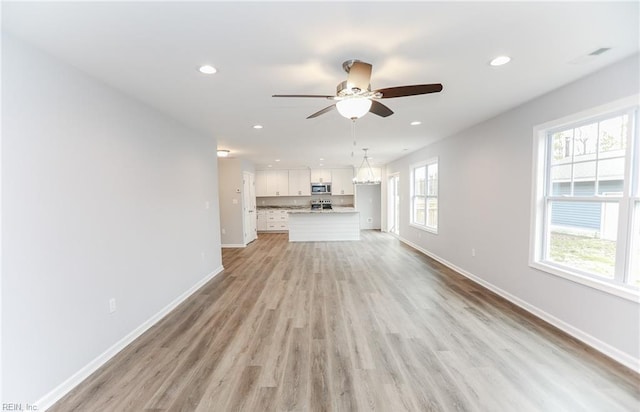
{"x": 249, "y": 207}
{"x": 393, "y": 205}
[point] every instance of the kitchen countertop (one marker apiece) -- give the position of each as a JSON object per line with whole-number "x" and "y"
{"x": 298, "y": 209}
{"x": 336, "y": 209}
{"x": 282, "y": 207}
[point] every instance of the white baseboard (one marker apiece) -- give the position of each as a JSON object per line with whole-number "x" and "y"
{"x": 233, "y": 245}
{"x": 602, "y": 347}
{"x": 65, "y": 387}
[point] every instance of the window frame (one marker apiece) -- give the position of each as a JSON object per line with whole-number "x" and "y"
{"x": 630, "y": 196}
{"x": 412, "y": 168}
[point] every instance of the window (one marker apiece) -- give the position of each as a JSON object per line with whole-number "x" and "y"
{"x": 586, "y": 222}
{"x": 424, "y": 195}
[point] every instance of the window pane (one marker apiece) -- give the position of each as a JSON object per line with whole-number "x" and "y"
{"x": 634, "y": 272}
{"x": 582, "y": 235}
{"x": 561, "y": 180}
{"x": 418, "y": 210}
{"x": 419, "y": 180}
{"x": 613, "y": 134}
{"x": 432, "y": 180}
{"x": 611, "y": 176}
{"x": 584, "y": 176}
{"x": 585, "y": 141}
{"x": 561, "y": 144}
{"x": 432, "y": 212}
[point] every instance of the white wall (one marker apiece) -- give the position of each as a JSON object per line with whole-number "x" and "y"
{"x": 102, "y": 197}
{"x": 368, "y": 203}
{"x": 485, "y": 203}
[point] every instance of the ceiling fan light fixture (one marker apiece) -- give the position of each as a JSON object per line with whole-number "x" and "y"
{"x": 354, "y": 108}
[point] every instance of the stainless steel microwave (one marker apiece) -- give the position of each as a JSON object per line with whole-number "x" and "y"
{"x": 320, "y": 188}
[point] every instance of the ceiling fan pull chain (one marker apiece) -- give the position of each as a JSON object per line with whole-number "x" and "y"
{"x": 353, "y": 131}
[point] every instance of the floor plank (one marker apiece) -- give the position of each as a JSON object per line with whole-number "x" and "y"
{"x": 348, "y": 326}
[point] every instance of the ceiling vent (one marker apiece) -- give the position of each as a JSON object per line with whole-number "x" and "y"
{"x": 589, "y": 57}
{"x": 599, "y": 51}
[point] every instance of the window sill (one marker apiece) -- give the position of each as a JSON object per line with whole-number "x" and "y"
{"x": 424, "y": 228}
{"x": 625, "y": 292}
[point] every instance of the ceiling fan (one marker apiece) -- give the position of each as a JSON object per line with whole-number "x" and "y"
{"x": 355, "y": 97}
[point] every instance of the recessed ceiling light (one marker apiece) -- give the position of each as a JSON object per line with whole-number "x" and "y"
{"x": 321, "y": 159}
{"x": 223, "y": 153}
{"x": 415, "y": 123}
{"x": 257, "y": 126}
{"x": 321, "y": 164}
{"x": 500, "y": 60}
{"x": 277, "y": 160}
{"x": 206, "y": 69}
{"x": 269, "y": 165}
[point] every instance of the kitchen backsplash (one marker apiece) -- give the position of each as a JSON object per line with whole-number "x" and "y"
{"x": 346, "y": 200}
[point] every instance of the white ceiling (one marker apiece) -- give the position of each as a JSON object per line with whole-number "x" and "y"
{"x": 151, "y": 50}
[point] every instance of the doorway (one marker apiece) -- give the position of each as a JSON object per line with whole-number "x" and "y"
{"x": 393, "y": 205}
{"x": 249, "y": 207}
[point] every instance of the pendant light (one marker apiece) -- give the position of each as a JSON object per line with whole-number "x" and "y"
{"x": 366, "y": 172}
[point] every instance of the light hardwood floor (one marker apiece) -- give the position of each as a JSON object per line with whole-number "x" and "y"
{"x": 347, "y": 326}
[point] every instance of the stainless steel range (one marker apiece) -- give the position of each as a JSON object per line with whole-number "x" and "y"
{"x": 321, "y": 204}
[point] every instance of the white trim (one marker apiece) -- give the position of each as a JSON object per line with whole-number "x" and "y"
{"x": 233, "y": 245}
{"x": 539, "y": 219}
{"x": 435, "y": 160}
{"x": 602, "y": 347}
{"x": 620, "y": 104}
{"x": 622, "y": 291}
{"x": 65, "y": 387}
{"x": 424, "y": 228}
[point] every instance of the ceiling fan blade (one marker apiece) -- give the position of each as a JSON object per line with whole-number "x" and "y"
{"x": 359, "y": 76}
{"x": 402, "y": 91}
{"x": 380, "y": 109}
{"x": 304, "y": 95}
{"x": 323, "y": 111}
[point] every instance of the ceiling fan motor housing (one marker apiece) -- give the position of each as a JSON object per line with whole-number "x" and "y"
{"x": 343, "y": 90}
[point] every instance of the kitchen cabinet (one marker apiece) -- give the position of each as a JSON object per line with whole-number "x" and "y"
{"x": 299, "y": 182}
{"x": 272, "y": 183}
{"x": 320, "y": 176}
{"x": 273, "y": 220}
{"x": 262, "y": 220}
{"x": 342, "y": 182}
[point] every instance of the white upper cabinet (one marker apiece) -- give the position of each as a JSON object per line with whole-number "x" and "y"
{"x": 272, "y": 183}
{"x": 342, "y": 182}
{"x": 320, "y": 176}
{"x": 261, "y": 183}
{"x": 299, "y": 182}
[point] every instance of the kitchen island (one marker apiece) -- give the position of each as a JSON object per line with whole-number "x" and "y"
{"x": 340, "y": 223}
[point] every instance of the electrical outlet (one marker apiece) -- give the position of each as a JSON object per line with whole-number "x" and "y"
{"x": 112, "y": 305}
{"x": 206, "y": 205}
{"x": 473, "y": 252}
{"x": 224, "y": 231}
